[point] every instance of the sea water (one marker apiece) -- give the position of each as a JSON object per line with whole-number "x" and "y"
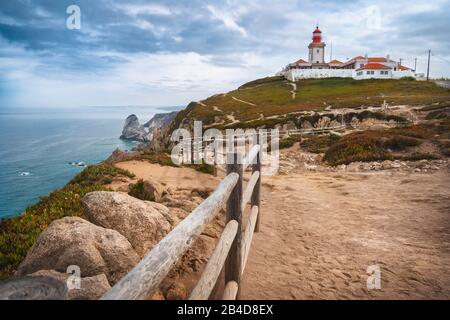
{"x": 43, "y": 149}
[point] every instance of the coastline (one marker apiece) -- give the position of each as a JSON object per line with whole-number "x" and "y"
{"x": 44, "y": 142}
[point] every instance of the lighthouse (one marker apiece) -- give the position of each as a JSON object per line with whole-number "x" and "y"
{"x": 317, "y": 50}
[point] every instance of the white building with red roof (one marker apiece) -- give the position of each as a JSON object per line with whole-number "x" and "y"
{"x": 359, "y": 67}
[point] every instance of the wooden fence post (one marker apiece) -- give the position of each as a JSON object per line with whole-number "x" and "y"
{"x": 256, "y": 195}
{"x": 233, "y": 265}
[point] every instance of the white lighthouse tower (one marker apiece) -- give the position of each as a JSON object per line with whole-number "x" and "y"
{"x": 317, "y": 50}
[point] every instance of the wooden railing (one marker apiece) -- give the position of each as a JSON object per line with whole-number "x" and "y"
{"x": 232, "y": 248}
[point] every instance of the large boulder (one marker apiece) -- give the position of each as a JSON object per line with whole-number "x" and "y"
{"x": 74, "y": 241}
{"x": 143, "y": 223}
{"x": 307, "y": 125}
{"x": 290, "y": 125}
{"x": 91, "y": 288}
{"x": 133, "y": 130}
{"x": 323, "y": 122}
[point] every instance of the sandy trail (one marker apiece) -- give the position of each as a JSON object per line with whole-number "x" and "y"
{"x": 171, "y": 176}
{"x": 320, "y": 232}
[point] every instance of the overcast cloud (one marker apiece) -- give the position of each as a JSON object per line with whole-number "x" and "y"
{"x": 171, "y": 52}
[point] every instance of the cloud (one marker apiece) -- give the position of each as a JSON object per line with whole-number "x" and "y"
{"x": 171, "y": 52}
{"x": 228, "y": 19}
{"x": 151, "y": 9}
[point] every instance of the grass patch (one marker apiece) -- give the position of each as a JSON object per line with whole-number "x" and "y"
{"x": 163, "y": 158}
{"x": 139, "y": 190}
{"x": 360, "y": 146}
{"x": 100, "y": 174}
{"x": 204, "y": 167}
{"x": 319, "y": 144}
{"x": 418, "y": 156}
{"x": 272, "y": 96}
{"x": 288, "y": 142}
{"x": 373, "y": 145}
{"x": 444, "y": 146}
{"x": 18, "y": 234}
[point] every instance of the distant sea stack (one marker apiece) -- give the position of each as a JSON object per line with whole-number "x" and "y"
{"x": 133, "y": 130}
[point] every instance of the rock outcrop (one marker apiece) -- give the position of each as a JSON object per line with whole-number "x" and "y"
{"x": 133, "y": 130}
{"x": 91, "y": 288}
{"x": 119, "y": 155}
{"x": 74, "y": 241}
{"x": 143, "y": 223}
{"x": 159, "y": 120}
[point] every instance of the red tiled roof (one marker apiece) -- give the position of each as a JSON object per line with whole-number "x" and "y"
{"x": 300, "y": 61}
{"x": 403, "y": 68}
{"x": 355, "y": 58}
{"x": 335, "y": 62}
{"x": 374, "y": 66}
{"x": 377, "y": 60}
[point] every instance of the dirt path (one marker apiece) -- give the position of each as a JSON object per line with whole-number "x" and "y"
{"x": 320, "y": 232}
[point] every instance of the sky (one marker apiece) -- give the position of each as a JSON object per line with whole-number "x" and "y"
{"x": 168, "y": 53}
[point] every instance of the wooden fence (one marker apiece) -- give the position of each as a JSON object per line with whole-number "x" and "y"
{"x": 232, "y": 248}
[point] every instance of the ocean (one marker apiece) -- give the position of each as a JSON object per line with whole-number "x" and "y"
{"x": 43, "y": 149}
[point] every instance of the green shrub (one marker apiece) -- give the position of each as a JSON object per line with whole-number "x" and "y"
{"x": 399, "y": 143}
{"x": 444, "y": 146}
{"x": 361, "y": 146}
{"x": 418, "y": 156}
{"x": 288, "y": 142}
{"x": 18, "y": 234}
{"x": 412, "y": 131}
{"x": 99, "y": 174}
{"x": 319, "y": 144}
{"x": 438, "y": 114}
{"x": 162, "y": 158}
{"x": 377, "y": 145}
{"x": 203, "y": 167}
{"x": 140, "y": 191}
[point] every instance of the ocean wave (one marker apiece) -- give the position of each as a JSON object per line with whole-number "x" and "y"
{"x": 78, "y": 164}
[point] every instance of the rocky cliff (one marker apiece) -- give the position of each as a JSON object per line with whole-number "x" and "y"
{"x": 160, "y": 119}
{"x": 133, "y": 130}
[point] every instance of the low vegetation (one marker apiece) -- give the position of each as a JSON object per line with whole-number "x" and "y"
{"x": 319, "y": 144}
{"x": 139, "y": 190}
{"x": 288, "y": 142}
{"x": 203, "y": 167}
{"x": 162, "y": 157}
{"x": 18, "y": 234}
{"x": 272, "y": 96}
{"x": 373, "y": 145}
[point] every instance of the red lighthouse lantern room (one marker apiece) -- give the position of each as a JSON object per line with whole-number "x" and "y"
{"x": 317, "y": 35}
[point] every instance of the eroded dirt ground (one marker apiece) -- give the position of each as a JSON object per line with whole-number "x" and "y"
{"x": 321, "y": 230}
